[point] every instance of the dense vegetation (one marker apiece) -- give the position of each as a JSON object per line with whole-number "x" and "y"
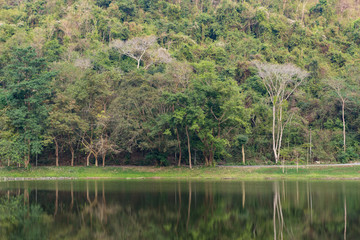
{"x": 165, "y": 82}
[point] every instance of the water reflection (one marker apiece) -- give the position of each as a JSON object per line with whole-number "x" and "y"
{"x": 278, "y": 218}
{"x": 179, "y": 210}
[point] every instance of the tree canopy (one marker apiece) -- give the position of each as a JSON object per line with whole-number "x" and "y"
{"x": 174, "y": 82}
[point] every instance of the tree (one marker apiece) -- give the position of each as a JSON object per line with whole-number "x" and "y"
{"x": 65, "y": 118}
{"x": 63, "y": 123}
{"x": 134, "y": 110}
{"x": 135, "y": 48}
{"x": 208, "y": 110}
{"x": 26, "y": 94}
{"x": 179, "y": 74}
{"x": 242, "y": 140}
{"x": 9, "y": 151}
{"x": 157, "y": 56}
{"x": 342, "y": 90}
{"x": 97, "y": 93}
{"x": 280, "y": 82}
{"x": 143, "y": 49}
{"x": 104, "y": 143}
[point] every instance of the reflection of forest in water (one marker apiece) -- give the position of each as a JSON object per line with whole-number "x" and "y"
{"x": 179, "y": 210}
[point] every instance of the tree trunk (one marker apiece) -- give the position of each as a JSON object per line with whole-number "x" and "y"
{"x": 211, "y": 155}
{"x": 103, "y": 159}
{"x": 72, "y": 155}
{"x": 243, "y": 154}
{"x": 138, "y": 64}
{"x": 280, "y": 134}
{"x": 56, "y": 152}
{"x": 103, "y": 155}
{"x": 310, "y": 148}
{"x": 273, "y": 134}
{"x": 179, "y": 143}
{"x": 195, "y": 158}
{"x": 96, "y": 160}
{"x": 343, "y": 118}
{"x": 188, "y": 141}
{"x": 206, "y": 159}
{"x": 303, "y": 12}
{"x": 284, "y": 5}
{"x": 88, "y": 159}
{"x": 27, "y": 157}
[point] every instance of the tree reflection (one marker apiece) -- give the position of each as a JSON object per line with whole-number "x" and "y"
{"x": 181, "y": 210}
{"x": 345, "y": 213}
{"x": 243, "y": 194}
{"x": 21, "y": 221}
{"x": 278, "y": 218}
{"x": 189, "y": 207}
{"x": 56, "y": 198}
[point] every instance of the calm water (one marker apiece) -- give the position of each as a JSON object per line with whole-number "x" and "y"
{"x": 179, "y": 210}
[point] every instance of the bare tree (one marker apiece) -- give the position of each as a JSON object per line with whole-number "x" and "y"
{"x": 83, "y": 63}
{"x": 342, "y": 90}
{"x": 155, "y": 56}
{"x": 180, "y": 73}
{"x": 280, "y": 82}
{"x": 135, "y": 48}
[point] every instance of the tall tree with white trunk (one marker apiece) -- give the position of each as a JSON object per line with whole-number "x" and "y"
{"x": 280, "y": 82}
{"x": 343, "y": 91}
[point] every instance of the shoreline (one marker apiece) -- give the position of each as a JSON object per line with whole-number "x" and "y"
{"x": 21, "y": 179}
{"x": 223, "y": 173}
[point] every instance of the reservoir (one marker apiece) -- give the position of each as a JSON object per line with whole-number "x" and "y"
{"x": 179, "y": 209}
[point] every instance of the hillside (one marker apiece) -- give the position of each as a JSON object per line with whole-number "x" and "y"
{"x": 148, "y": 82}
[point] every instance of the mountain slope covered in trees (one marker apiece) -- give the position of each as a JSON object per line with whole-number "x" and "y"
{"x": 165, "y": 82}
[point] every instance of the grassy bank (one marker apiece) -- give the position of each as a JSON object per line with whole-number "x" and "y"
{"x": 248, "y": 173}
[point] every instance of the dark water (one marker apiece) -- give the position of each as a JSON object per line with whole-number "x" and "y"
{"x": 179, "y": 210}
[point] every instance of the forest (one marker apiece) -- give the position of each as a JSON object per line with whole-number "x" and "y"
{"x": 179, "y": 82}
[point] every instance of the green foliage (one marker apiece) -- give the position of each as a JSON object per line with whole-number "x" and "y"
{"x": 25, "y": 94}
{"x": 52, "y": 50}
{"x": 323, "y": 8}
{"x": 156, "y": 158}
{"x": 242, "y": 139}
{"x": 98, "y": 104}
{"x": 350, "y": 155}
